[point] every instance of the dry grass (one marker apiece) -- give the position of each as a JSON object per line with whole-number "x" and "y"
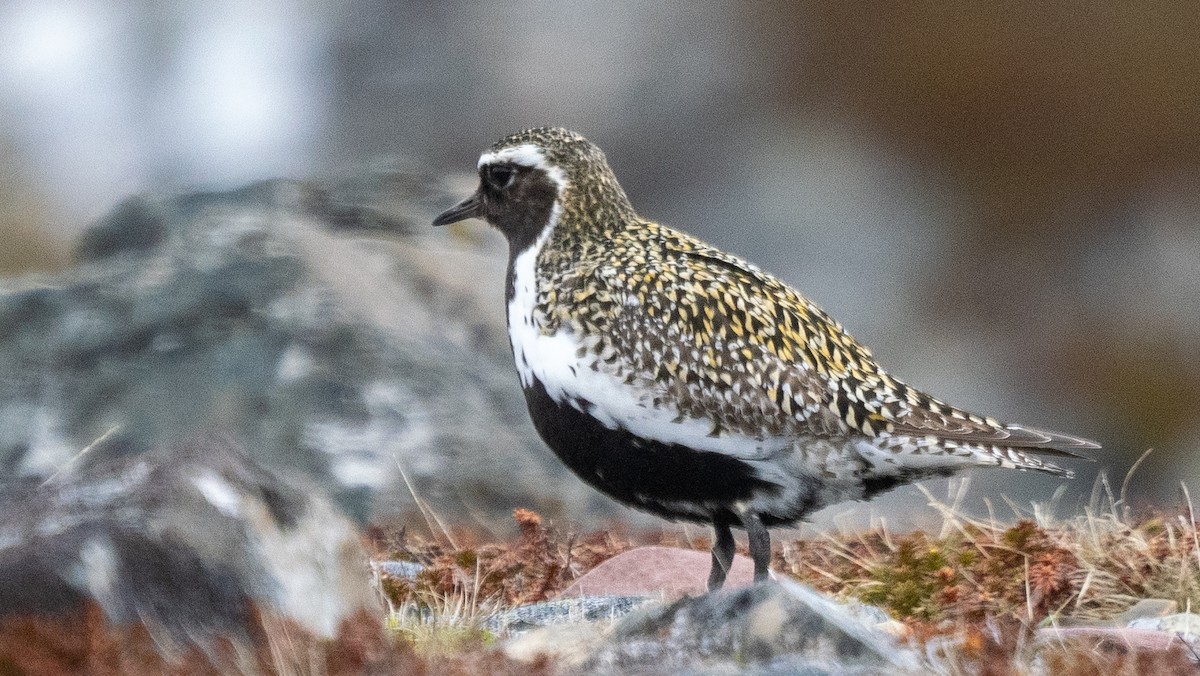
{"x": 972, "y": 594}
{"x": 1038, "y": 570}
{"x": 537, "y": 565}
{"x": 439, "y": 615}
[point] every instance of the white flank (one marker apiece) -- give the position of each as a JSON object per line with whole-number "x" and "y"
{"x": 527, "y": 155}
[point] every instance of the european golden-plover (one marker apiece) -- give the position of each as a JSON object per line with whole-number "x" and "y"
{"x": 686, "y": 382}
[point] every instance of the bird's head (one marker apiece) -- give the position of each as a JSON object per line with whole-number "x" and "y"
{"x": 533, "y": 180}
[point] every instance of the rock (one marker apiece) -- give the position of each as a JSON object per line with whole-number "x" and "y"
{"x": 578, "y": 610}
{"x": 772, "y": 627}
{"x": 658, "y": 572}
{"x": 1186, "y": 624}
{"x": 276, "y": 313}
{"x": 192, "y": 554}
{"x": 405, "y": 569}
{"x": 1147, "y": 609}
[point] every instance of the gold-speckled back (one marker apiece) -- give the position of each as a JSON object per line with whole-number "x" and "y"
{"x": 713, "y": 336}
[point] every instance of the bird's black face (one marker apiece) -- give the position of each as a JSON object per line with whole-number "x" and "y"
{"x": 516, "y": 199}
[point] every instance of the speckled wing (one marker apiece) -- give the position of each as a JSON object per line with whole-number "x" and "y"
{"x": 721, "y": 341}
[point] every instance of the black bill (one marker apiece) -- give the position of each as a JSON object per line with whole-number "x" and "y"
{"x": 471, "y": 207}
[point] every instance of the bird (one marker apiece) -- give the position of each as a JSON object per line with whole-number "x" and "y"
{"x": 688, "y": 383}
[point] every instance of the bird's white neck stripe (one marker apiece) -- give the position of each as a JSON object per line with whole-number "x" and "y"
{"x": 523, "y": 327}
{"x": 527, "y": 155}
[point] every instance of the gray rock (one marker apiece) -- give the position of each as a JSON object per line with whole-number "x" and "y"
{"x": 573, "y": 610}
{"x": 405, "y": 569}
{"x": 1147, "y": 609}
{"x": 773, "y": 627}
{"x": 1184, "y": 624}
{"x": 276, "y": 313}
{"x": 193, "y": 543}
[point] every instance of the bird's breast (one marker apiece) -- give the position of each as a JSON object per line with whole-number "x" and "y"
{"x": 591, "y": 373}
{"x": 574, "y": 371}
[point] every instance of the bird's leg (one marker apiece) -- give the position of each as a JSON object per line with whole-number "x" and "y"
{"x": 722, "y": 556}
{"x": 760, "y": 544}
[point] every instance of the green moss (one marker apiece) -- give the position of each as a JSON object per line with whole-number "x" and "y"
{"x": 968, "y": 557}
{"x": 1023, "y": 536}
{"x": 1153, "y": 526}
{"x": 466, "y": 559}
{"x": 909, "y": 582}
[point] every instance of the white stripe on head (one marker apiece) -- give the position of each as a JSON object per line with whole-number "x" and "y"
{"x": 527, "y": 155}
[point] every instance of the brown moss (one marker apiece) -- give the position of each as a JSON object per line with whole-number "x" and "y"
{"x": 981, "y": 590}
{"x": 540, "y": 563}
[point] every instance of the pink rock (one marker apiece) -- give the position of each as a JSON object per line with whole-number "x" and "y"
{"x": 1112, "y": 639}
{"x": 653, "y": 571}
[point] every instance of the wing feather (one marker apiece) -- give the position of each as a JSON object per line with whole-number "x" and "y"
{"x": 746, "y": 353}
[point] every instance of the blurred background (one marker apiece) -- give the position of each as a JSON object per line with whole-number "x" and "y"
{"x": 1001, "y": 200}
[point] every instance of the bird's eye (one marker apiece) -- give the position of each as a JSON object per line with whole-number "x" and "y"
{"x": 499, "y": 176}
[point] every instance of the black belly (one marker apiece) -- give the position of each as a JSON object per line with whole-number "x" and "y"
{"x": 640, "y": 472}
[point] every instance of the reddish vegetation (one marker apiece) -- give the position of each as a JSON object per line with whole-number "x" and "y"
{"x": 1020, "y": 572}
{"x": 984, "y": 652}
{"x": 975, "y": 596}
{"x": 538, "y": 565}
{"x": 985, "y": 589}
{"x": 85, "y": 642}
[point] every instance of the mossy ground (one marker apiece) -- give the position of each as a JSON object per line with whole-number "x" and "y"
{"x": 975, "y": 591}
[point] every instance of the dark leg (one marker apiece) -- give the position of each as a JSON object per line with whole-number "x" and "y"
{"x": 722, "y": 555}
{"x": 760, "y": 545}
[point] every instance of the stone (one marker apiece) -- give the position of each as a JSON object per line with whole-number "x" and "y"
{"x": 404, "y": 569}
{"x": 326, "y": 325}
{"x": 658, "y": 572}
{"x": 1187, "y": 624}
{"x": 771, "y": 627}
{"x": 561, "y": 611}
{"x": 1146, "y": 609}
{"x": 189, "y": 554}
